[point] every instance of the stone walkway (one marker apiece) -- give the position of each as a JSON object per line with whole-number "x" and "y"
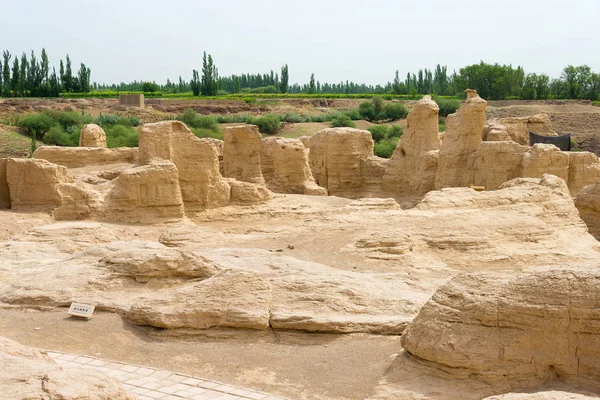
{"x": 149, "y": 383}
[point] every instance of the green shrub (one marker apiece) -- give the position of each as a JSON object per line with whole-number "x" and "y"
{"x": 596, "y": 103}
{"x": 206, "y": 122}
{"x": 353, "y": 114}
{"x": 383, "y": 132}
{"x": 293, "y": 118}
{"x": 188, "y": 116}
{"x": 378, "y": 106}
{"x": 250, "y": 100}
{"x": 373, "y": 110}
{"x": 57, "y": 136}
{"x": 108, "y": 119}
{"x": 222, "y": 92}
{"x": 68, "y": 118}
{"x": 268, "y": 124}
{"x": 128, "y": 121}
{"x": 318, "y": 118}
{"x": 194, "y": 120}
{"x": 395, "y": 131}
{"x": 37, "y": 124}
{"x": 379, "y": 132}
{"x": 447, "y": 106}
{"x": 394, "y": 111}
{"x": 235, "y": 118}
{"x": 87, "y": 119}
{"x": 121, "y": 136}
{"x": 264, "y": 89}
{"x": 342, "y": 120}
{"x": 574, "y": 144}
{"x": 148, "y": 87}
{"x": 442, "y": 124}
{"x": 367, "y": 110}
{"x": 385, "y": 148}
{"x": 207, "y": 133}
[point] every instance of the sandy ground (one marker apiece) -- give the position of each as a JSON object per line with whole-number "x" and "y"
{"x": 299, "y": 365}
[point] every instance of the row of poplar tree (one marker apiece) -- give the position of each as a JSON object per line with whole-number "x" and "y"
{"x": 23, "y": 76}
{"x": 29, "y": 76}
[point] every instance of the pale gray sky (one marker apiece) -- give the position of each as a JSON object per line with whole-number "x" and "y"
{"x": 362, "y": 41}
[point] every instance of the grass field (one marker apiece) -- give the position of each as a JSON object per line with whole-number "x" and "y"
{"x": 13, "y": 144}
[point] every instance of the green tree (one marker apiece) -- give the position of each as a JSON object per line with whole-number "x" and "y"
{"x": 34, "y": 76}
{"x": 66, "y": 78}
{"x": 594, "y": 87}
{"x": 54, "y": 84}
{"x": 440, "y": 80}
{"x": 283, "y": 85}
{"x": 311, "y": 85}
{"x": 542, "y": 86}
{"x": 83, "y": 79}
{"x": 195, "y": 83}
{"x": 45, "y": 66}
{"x": 529, "y": 91}
{"x": 22, "y": 75}
{"x": 61, "y": 75}
{"x": 14, "y": 82}
{"x": 6, "y": 72}
{"x": 209, "y": 72}
{"x": 396, "y": 86}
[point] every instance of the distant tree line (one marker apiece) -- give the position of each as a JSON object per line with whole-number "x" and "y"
{"x": 23, "y": 76}
{"x": 31, "y": 77}
{"x": 492, "y": 81}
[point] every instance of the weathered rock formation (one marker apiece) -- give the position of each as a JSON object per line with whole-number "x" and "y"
{"x": 4, "y": 193}
{"x": 338, "y": 159}
{"x": 285, "y": 167}
{"x": 74, "y": 157}
{"x": 584, "y": 169}
{"x": 498, "y": 162}
{"x": 556, "y": 394}
{"x": 513, "y": 331}
{"x": 461, "y": 141}
{"x": 197, "y": 162}
{"x": 545, "y": 159}
{"x": 355, "y": 266}
{"x": 92, "y": 136}
{"x": 78, "y": 201}
{"x": 33, "y": 183}
{"x": 241, "y": 153}
{"x": 248, "y": 193}
{"x": 267, "y": 149}
{"x": 147, "y": 193}
{"x": 27, "y": 373}
{"x": 588, "y": 204}
{"x": 517, "y": 128}
{"x": 413, "y": 165}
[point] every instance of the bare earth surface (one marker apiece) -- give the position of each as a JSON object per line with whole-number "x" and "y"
{"x": 299, "y": 365}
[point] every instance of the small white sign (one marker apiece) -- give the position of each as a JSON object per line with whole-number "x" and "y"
{"x": 81, "y": 310}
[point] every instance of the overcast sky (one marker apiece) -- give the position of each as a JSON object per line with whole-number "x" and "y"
{"x": 362, "y": 41}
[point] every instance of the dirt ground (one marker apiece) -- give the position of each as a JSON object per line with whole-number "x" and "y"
{"x": 301, "y": 365}
{"x": 579, "y": 118}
